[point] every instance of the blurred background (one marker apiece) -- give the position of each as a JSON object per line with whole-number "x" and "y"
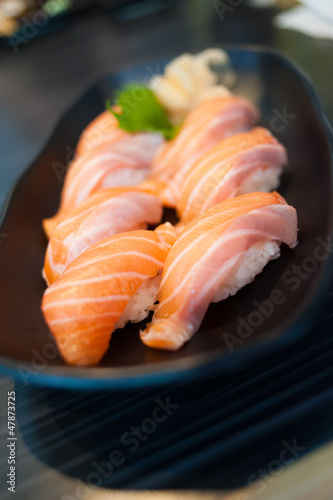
{"x": 51, "y": 51}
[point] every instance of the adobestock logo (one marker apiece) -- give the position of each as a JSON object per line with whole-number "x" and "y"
{"x": 281, "y": 119}
{"x": 265, "y": 475}
{"x": 293, "y": 278}
{"x": 223, "y": 7}
{"x": 130, "y": 441}
{"x": 30, "y": 27}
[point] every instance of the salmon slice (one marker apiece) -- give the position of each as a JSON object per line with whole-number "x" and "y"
{"x": 215, "y": 255}
{"x": 106, "y": 212}
{"x": 103, "y": 129}
{"x": 122, "y": 163}
{"x": 247, "y": 162}
{"x": 211, "y": 121}
{"x": 91, "y": 298}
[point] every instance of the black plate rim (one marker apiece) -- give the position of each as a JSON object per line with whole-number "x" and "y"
{"x": 136, "y": 376}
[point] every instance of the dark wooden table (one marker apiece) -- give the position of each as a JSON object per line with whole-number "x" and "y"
{"x": 221, "y": 434}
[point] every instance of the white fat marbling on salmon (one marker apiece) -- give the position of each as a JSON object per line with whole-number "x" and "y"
{"x": 111, "y": 214}
{"x": 215, "y": 257}
{"x": 86, "y": 302}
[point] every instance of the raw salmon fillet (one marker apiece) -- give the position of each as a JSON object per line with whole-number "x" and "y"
{"x": 210, "y": 121}
{"x": 125, "y": 162}
{"x": 215, "y": 255}
{"x": 88, "y": 301}
{"x": 105, "y": 213}
{"x": 246, "y": 162}
{"x": 103, "y": 129}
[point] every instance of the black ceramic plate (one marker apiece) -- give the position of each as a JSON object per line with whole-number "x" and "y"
{"x": 269, "y": 314}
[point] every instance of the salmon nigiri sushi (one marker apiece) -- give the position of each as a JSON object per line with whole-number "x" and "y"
{"x": 125, "y": 162}
{"x": 103, "y": 129}
{"x": 210, "y": 121}
{"x": 218, "y": 253}
{"x": 110, "y": 283}
{"x": 244, "y": 163}
{"x": 106, "y": 212}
